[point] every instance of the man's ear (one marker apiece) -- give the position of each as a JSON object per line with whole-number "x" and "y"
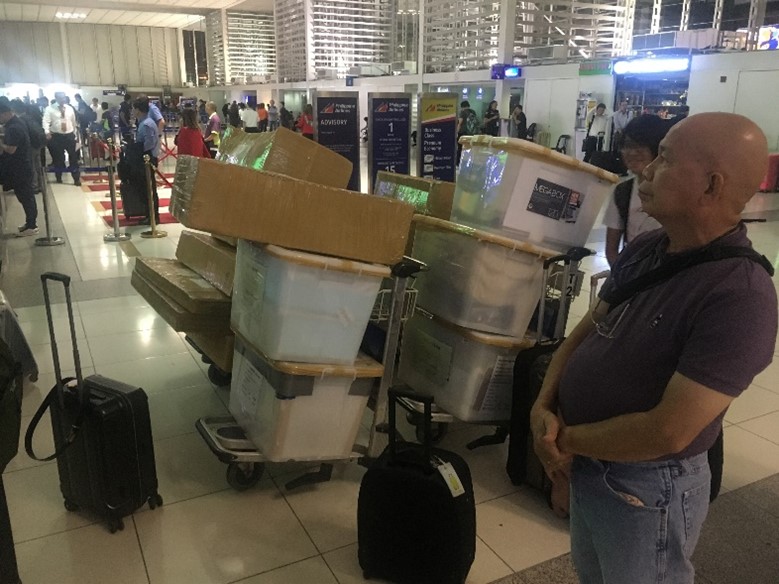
{"x": 716, "y": 185}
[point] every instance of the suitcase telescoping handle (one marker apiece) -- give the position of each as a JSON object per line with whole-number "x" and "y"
{"x": 58, "y": 391}
{"x": 427, "y": 401}
{"x": 65, "y": 280}
{"x": 569, "y": 259}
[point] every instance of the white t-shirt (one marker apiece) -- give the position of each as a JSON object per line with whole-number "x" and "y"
{"x": 249, "y": 118}
{"x": 599, "y": 124}
{"x": 638, "y": 221}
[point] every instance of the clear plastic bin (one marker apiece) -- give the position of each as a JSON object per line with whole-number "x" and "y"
{"x": 528, "y": 192}
{"x": 470, "y": 374}
{"x": 299, "y": 411}
{"x": 478, "y": 280}
{"x": 296, "y": 306}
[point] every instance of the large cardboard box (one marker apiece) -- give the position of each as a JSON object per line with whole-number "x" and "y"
{"x": 176, "y": 315}
{"x": 208, "y": 257}
{"x": 429, "y": 197}
{"x": 183, "y": 285}
{"x": 272, "y": 208}
{"x": 286, "y": 152}
{"x": 218, "y": 348}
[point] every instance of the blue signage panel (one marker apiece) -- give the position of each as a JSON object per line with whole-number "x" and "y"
{"x": 389, "y": 131}
{"x": 437, "y": 136}
{"x": 337, "y": 127}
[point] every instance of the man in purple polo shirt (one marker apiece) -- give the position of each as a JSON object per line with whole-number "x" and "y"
{"x": 636, "y": 395}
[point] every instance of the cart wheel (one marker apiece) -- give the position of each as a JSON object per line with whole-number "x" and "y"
{"x": 218, "y": 377}
{"x": 155, "y": 501}
{"x": 70, "y": 505}
{"x": 206, "y": 360}
{"x": 116, "y": 525}
{"x": 239, "y": 479}
{"x": 438, "y": 429}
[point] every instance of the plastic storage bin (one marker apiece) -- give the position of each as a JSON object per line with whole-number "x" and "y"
{"x": 296, "y": 306}
{"x": 470, "y": 374}
{"x": 478, "y": 280}
{"x": 528, "y": 192}
{"x": 299, "y": 411}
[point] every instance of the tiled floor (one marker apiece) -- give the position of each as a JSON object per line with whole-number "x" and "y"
{"x": 208, "y": 534}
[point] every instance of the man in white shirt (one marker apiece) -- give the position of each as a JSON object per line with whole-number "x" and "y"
{"x": 597, "y": 128}
{"x": 249, "y": 118}
{"x": 624, "y": 218}
{"x": 59, "y": 123}
{"x": 620, "y": 120}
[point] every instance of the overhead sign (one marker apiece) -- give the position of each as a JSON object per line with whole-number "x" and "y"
{"x": 654, "y": 65}
{"x": 437, "y": 136}
{"x": 337, "y": 127}
{"x": 598, "y": 67}
{"x": 389, "y": 131}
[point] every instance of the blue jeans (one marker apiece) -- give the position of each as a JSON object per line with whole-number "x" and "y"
{"x": 637, "y": 523}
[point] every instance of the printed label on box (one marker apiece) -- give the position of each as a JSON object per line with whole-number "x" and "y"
{"x": 555, "y": 201}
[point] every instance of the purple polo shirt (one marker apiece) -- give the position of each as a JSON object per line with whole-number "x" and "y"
{"x": 714, "y": 323}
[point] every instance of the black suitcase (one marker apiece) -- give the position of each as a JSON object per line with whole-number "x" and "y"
{"x": 102, "y": 437}
{"x": 135, "y": 198}
{"x": 411, "y": 528}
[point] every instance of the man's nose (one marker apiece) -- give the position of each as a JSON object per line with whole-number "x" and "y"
{"x": 649, "y": 170}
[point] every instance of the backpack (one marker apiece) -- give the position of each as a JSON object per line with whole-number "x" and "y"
{"x": 36, "y": 133}
{"x": 471, "y": 125}
{"x": 622, "y": 194}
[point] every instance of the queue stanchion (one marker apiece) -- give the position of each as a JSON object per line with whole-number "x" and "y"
{"x": 49, "y": 240}
{"x": 116, "y": 235}
{"x": 154, "y": 232}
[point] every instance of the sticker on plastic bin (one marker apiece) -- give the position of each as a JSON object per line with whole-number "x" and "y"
{"x": 452, "y": 479}
{"x": 496, "y": 395}
{"x": 555, "y": 201}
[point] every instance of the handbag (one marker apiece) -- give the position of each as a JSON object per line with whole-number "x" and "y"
{"x": 10, "y": 405}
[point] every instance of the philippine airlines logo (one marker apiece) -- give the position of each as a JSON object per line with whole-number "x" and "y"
{"x": 383, "y": 108}
{"x": 329, "y": 109}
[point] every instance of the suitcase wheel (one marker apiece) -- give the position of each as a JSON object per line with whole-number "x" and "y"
{"x": 70, "y": 505}
{"x": 218, "y": 377}
{"x": 242, "y": 476}
{"x": 116, "y": 525}
{"x": 155, "y": 501}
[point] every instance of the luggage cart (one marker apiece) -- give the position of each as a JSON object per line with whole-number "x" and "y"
{"x": 246, "y": 464}
{"x": 216, "y": 375}
{"x": 562, "y": 285}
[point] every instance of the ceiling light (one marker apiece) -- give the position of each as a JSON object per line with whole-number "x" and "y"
{"x": 70, "y": 15}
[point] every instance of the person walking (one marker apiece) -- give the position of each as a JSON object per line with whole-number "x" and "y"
{"x": 492, "y": 119}
{"x": 285, "y": 117}
{"x": 305, "y": 122}
{"x": 273, "y": 116}
{"x": 519, "y": 121}
{"x": 620, "y": 120}
{"x": 17, "y": 164}
{"x": 147, "y": 134}
{"x": 262, "y": 117}
{"x": 126, "y": 118}
{"x": 59, "y": 123}
{"x": 597, "y": 126}
{"x": 250, "y": 119}
{"x": 212, "y": 133}
{"x": 467, "y": 125}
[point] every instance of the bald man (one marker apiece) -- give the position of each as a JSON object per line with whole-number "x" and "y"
{"x": 636, "y": 395}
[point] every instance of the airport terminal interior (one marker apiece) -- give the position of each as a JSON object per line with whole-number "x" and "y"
{"x": 659, "y": 58}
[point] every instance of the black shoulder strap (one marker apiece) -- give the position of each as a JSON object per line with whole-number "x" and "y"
{"x": 51, "y": 401}
{"x": 679, "y": 264}
{"x": 622, "y": 194}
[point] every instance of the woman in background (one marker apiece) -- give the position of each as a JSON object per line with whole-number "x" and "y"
{"x": 305, "y": 122}
{"x": 189, "y": 140}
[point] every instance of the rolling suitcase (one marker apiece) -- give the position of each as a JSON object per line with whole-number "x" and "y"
{"x": 135, "y": 198}
{"x": 416, "y": 516}
{"x": 102, "y": 436}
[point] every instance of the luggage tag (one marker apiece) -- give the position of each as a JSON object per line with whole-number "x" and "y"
{"x": 450, "y": 477}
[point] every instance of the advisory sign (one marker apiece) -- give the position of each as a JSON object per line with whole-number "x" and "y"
{"x": 337, "y": 127}
{"x": 389, "y": 132}
{"x": 437, "y": 136}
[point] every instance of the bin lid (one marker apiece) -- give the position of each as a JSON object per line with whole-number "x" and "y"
{"x": 485, "y": 236}
{"x": 534, "y": 150}
{"x": 327, "y": 262}
{"x": 363, "y": 367}
{"x": 493, "y": 340}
